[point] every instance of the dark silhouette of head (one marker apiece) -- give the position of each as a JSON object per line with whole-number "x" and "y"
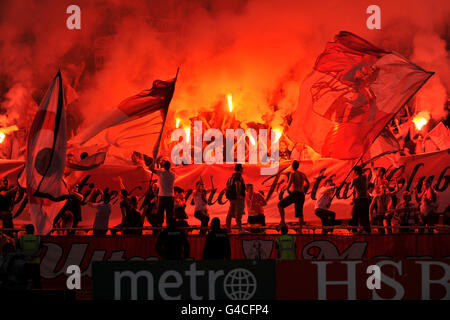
{"x": 358, "y": 170}
{"x": 167, "y": 165}
{"x": 215, "y": 224}
{"x": 238, "y": 167}
{"x": 171, "y": 222}
{"x": 148, "y": 160}
{"x": 406, "y": 196}
{"x": 107, "y": 197}
{"x": 295, "y": 164}
{"x": 284, "y": 230}
{"x": 29, "y": 229}
{"x": 84, "y": 155}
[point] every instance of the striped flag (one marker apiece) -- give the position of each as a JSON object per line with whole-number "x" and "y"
{"x": 354, "y": 90}
{"x": 46, "y": 158}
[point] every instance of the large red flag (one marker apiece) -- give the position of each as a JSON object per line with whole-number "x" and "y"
{"x": 46, "y": 158}
{"x": 135, "y": 124}
{"x": 354, "y": 90}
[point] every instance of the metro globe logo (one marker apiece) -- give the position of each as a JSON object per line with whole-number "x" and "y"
{"x": 240, "y": 284}
{"x": 184, "y": 280}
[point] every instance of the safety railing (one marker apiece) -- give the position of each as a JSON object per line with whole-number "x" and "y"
{"x": 249, "y": 228}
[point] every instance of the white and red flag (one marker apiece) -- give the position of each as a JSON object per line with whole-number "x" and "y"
{"x": 46, "y": 157}
{"x": 136, "y": 123}
{"x": 354, "y": 90}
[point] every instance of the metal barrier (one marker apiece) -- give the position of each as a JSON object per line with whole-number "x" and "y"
{"x": 310, "y": 229}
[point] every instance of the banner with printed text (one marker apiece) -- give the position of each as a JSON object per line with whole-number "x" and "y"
{"x": 408, "y": 171}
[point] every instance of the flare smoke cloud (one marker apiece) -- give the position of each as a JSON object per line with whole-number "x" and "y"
{"x": 257, "y": 50}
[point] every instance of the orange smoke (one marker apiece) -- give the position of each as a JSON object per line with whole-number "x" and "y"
{"x": 260, "y": 51}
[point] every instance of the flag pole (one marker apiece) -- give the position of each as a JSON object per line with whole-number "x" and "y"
{"x": 155, "y": 152}
{"x": 395, "y": 114}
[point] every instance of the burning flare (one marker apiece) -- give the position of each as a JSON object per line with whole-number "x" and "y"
{"x": 7, "y": 130}
{"x": 278, "y": 134}
{"x": 177, "y": 125}
{"x": 421, "y": 119}
{"x": 230, "y": 102}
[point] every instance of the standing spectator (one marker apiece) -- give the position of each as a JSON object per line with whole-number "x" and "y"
{"x": 300, "y": 184}
{"x": 360, "y": 214}
{"x": 133, "y": 220}
{"x": 7, "y": 194}
{"x": 323, "y": 204}
{"x": 73, "y": 205}
{"x": 407, "y": 213}
{"x": 75, "y": 201}
{"x": 30, "y": 246}
{"x": 101, "y": 222}
{"x": 124, "y": 204}
{"x": 379, "y": 208}
{"x": 124, "y": 208}
{"x": 201, "y": 211}
{"x": 235, "y": 193}
{"x": 285, "y": 245}
{"x": 65, "y": 222}
{"x": 166, "y": 180}
{"x": 255, "y": 203}
{"x": 380, "y": 181}
{"x": 172, "y": 243}
{"x": 179, "y": 204}
{"x": 392, "y": 204}
{"x": 217, "y": 243}
{"x": 428, "y": 205}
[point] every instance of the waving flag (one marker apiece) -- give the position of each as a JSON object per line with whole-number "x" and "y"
{"x": 46, "y": 158}
{"x": 136, "y": 123}
{"x": 89, "y": 163}
{"x": 354, "y": 90}
{"x": 384, "y": 144}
